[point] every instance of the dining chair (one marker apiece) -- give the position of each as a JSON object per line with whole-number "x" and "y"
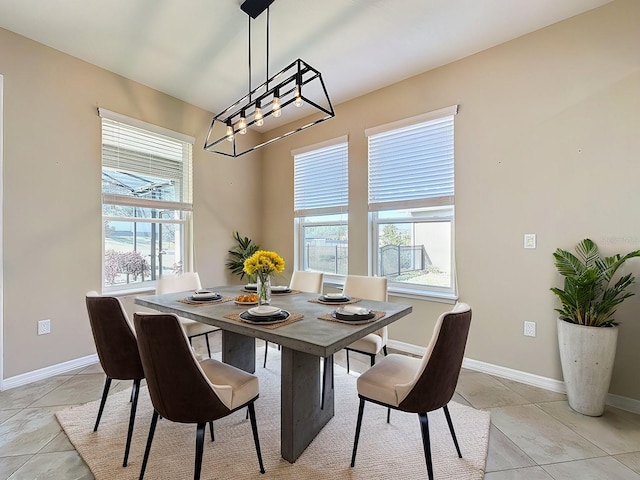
{"x": 181, "y": 283}
{"x": 369, "y": 288}
{"x": 117, "y": 350}
{"x": 184, "y": 390}
{"x": 420, "y": 385}
{"x": 310, "y": 282}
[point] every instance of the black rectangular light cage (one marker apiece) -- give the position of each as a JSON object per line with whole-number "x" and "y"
{"x": 297, "y": 85}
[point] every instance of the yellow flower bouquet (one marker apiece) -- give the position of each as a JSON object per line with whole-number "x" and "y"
{"x": 262, "y": 264}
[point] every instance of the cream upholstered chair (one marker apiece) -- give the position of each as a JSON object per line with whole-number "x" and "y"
{"x": 181, "y": 283}
{"x": 370, "y": 288}
{"x": 310, "y": 282}
{"x": 184, "y": 390}
{"x": 117, "y": 351}
{"x": 420, "y": 385}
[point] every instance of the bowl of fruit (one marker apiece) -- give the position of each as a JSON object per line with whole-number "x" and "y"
{"x": 247, "y": 299}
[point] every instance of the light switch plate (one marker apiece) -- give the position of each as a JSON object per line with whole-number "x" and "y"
{"x": 529, "y": 240}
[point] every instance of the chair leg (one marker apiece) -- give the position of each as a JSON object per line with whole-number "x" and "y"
{"x": 388, "y": 415}
{"x": 199, "y": 449}
{"x": 347, "y": 351}
{"x": 373, "y": 360}
{"x": 384, "y": 349}
{"x": 266, "y": 349}
{"x": 152, "y": 429}
{"x": 424, "y": 426}
{"x": 105, "y": 392}
{"x": 254, "y": 429}
{"x": 453, "y": 432}
{"x": 135, "y": 390}
{"x": 357, "y": 437}
{"x": 213, "y": 438}
{"x": 206, "y": 338}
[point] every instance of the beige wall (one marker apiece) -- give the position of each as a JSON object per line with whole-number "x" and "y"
{"x": 52, "y": 208}
{"x": 547, "y": 141}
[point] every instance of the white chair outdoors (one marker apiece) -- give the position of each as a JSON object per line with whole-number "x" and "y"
{"x": 420, "y": 385}
{"x": 310, "y": 282}
{"x": 189, "y": 281}
{"x": 369, "y": 288}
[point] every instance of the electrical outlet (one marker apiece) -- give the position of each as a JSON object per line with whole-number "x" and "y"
{"x": 529, "y": 240}
{"x": 529, "y": 329}
{"x": 44, "y": 327}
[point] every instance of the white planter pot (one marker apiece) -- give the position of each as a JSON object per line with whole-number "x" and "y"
{"x": 587, "y": 355}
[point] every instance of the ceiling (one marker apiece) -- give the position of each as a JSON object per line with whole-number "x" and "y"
{"x": 197, "y": 50}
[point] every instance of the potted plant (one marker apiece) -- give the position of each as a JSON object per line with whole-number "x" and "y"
{"x": 587, "y": 329}
{"x": 244, "y": 249}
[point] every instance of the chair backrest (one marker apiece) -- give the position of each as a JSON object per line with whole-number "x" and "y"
{"x": 307, "y": 281}
{"x": 178, "y": 283}
{"x": 370, "y": 288}
{"x": 435, "y": 382}
{"x": 114, "y": 338}
{"x": 179, "y": 389}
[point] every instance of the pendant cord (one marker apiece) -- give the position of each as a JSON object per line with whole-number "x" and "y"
{"x": 267, "y": 82}
{"x": 249, "y": 57}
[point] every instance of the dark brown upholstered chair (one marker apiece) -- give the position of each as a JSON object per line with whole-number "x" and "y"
{"x": 187, "y": 391}
{"x": 420, "y": 385}
{"x": 117, "y": 350}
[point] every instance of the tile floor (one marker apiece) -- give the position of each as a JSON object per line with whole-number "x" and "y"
{"x": 534, "y": 434}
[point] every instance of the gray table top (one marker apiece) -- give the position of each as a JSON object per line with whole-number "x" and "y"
{"x": 311, "y": 334}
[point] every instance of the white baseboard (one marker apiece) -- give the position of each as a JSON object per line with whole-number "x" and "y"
{"x": 624, "y": 403}
{"x": 42, "y": 373}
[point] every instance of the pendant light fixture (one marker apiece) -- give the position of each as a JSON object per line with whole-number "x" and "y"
{"x": 298, "y": 84}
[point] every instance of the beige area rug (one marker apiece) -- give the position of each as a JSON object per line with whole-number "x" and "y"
{"x": 385, "y": 450}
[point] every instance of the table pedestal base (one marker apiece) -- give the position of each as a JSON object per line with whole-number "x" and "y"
{"x": 303, "y": 414}
{"x": 239, "y": 351}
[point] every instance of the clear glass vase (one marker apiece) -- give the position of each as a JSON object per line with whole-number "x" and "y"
{"x": 264, "y": 289}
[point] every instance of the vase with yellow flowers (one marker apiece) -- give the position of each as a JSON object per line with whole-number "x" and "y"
{"x": 263, "y": 264}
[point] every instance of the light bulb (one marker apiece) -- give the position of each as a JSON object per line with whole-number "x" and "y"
{"x": 275, "y": 106}
{"x": 257, "y": 116}
{"x": 242, "y": 124}
{"x": 230, "y": 135}
{"x": 298, "y": 101}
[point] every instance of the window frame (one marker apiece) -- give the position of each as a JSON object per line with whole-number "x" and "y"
{"x": 181, "y": 208}
{"x": 339, "y": 210}
{"x": 443, "y": 210}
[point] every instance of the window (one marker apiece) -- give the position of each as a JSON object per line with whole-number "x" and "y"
{"x": 411, "y": 203}
{"x": 146, "y": 202}
{"x": 320, "y": 207}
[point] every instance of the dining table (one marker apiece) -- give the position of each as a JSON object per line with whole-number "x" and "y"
{"x": 311, "y": 333}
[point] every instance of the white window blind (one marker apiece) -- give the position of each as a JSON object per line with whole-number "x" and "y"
{"x": 144, "y": 165}
{"x": 412, "y": 166}
{"x": 321, "y": 180}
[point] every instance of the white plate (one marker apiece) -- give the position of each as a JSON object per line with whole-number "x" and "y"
{"x": 334, "y": 296}
{"x": 351, "y": 310}
{"x": 264, "y": 311}
{"x": 204, "y": 295}
{"x": 279, "y": 288}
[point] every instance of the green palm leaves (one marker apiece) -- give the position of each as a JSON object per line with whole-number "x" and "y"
{"x": 588, "y": 297}
{"x": 238, "y": 254}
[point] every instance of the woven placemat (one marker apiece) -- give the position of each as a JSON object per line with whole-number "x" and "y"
{"x": 293, "y": 317}
{"x": 378, "y": 315}
{"x": 278, "y": 294}
{"x": 201, "y": 304}
{"x": 324, "y": 302}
